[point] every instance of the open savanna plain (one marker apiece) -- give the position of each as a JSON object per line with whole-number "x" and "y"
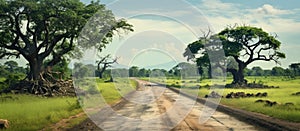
{"x": 281, "y": 95}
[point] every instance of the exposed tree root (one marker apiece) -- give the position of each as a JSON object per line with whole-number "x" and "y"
{"x": 46, "y": 86}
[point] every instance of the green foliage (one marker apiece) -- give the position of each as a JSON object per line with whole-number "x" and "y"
{"x": 278, "y": 71}
{"x": 133, "y": 71}
{"x": 240, "y": 38}
{"x": 243, "y": 44}
{"x": 11, "y": 74}
{"x": 49, "y": 29}
{"x": 62, "y": 67}
{"x": 82, "y": 71}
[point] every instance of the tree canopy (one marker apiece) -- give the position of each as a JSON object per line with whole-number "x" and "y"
{"x": 49, "y": 32}
{"x": 49, "y": 29}
{"x": 244, "y": 44}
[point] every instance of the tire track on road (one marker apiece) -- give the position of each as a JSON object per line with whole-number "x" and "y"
{"x": 160, "y": 105}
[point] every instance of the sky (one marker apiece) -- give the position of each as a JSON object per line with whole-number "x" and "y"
{"x": 186, "y": 20}
{"x": 164, "y": 28}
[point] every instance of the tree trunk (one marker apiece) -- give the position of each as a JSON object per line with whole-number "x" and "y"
{"x": 239, "y": 75}
{"x": 209, "y": 72}
{"x": 100, "y": 74}
{"x": 35, "y": 69}
{"x": 234, "y": 74}
{"x": 101, "y": 71}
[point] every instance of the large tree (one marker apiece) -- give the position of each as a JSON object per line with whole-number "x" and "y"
{"x": 42, "y": 30}
{"x": 206, "y": 53}
{"x": 245, "y": 44}
{"x": 248, "y": 44}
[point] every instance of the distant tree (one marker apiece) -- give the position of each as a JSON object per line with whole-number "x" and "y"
{"x": 267, "y": 72}
{"x": 61, "y": 70}
{"x": 186, "y": 69}
{"x": 170, "y": 72}
{"x": 257, "y": 71}
{"x": 3, "y": 71}
{"x": 11, "y": 73}
{"x": 278, "y": 71}
{"x": 143, "y": 73}
{"x": 81, "y": 71}
{"x": 133, "y": 71}
{"x": 296, "y": 68}
{"x": 289, "y": 73}
{"x": 119, "y": 73}
{"x": 11, "y": 65}
{"x": 198, "y": 48}
{"x": 104, "y": 63}
{"x": 76, "y": 70}
{"x": 158, "y": 73}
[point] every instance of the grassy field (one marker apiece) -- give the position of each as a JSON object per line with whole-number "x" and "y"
{"x": 112, "y": 92}
{"x": 106, "y": 92}
{"x": 28, "y": 112}
{"x": 281, "y": 95}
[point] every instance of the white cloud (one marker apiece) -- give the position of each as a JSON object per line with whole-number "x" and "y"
{"x": 267, "y": 9}
{"x": 221, "y": 14}
{"x": 217, "y": 5}
{"x": 268, "y": 17}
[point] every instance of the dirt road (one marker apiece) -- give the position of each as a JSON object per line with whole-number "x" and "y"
{"x": 157, "y": 108}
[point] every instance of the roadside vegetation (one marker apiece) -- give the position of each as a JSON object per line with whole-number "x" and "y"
{"x": 28, "y": 112}
{"x": 281, "y": 95}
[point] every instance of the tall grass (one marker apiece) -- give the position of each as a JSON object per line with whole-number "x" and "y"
{"x": 26, "y": 112}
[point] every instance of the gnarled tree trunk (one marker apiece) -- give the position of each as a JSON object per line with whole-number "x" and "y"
{"x": 35, "y": 69}
{"x": 238, "y": 75}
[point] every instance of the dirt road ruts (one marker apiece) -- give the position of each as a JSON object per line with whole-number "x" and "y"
{"x": 152, "y": 103}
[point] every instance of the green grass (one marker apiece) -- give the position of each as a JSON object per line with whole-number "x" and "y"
{"x": 28, "y": 112}
{"x": 112, "y": 92}
{"x": 281, "y": 95}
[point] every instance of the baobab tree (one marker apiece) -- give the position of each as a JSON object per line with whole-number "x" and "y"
{"x": 42, "y": 30}
{"x": 245, "y": 44}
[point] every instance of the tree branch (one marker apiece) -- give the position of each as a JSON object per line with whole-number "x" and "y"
{"x": 46, "y": 40}
{"x": 27, "y": 26}
{"x": 18, "y": 30}
{"x": 52, "y": 45}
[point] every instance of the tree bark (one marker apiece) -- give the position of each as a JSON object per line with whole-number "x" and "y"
{"x": 239, "y": 75}
{"x": 209, "y": 71}
{"x": 100, "y": 74}
{"x": 35, "y": 69}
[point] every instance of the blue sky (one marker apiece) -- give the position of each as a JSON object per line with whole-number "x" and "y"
{"x": 175, "y": 23}
{"x": 274, "y": 16}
